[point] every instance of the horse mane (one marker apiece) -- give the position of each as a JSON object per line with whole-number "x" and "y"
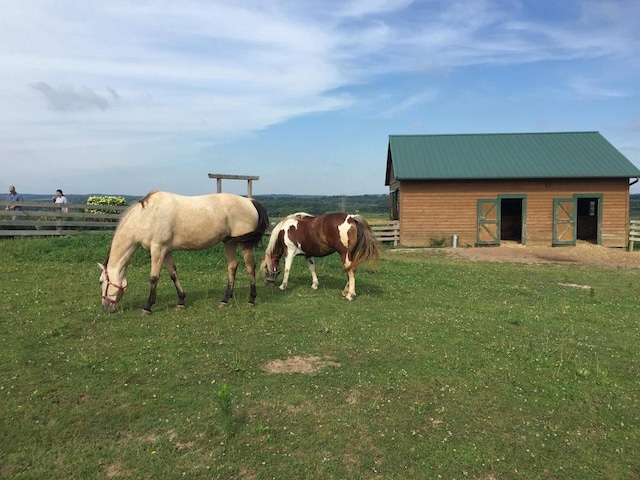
{"x": 273, "y": 239}
{"x": 144, "y": 200}
{"x": 106, "y": 260}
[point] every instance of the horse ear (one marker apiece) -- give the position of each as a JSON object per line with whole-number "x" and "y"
{"x": 101, "y": 266}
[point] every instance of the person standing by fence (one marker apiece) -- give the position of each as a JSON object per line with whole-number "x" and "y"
{"x": 12, "y": 198}
{"x": 60, "y": 199}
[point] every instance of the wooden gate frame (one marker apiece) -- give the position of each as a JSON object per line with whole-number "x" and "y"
{"x": 572, "y": 222}
{"x": 248, "y": 178}
{"x": 493, "y": 226}
{"x": 489, "y": 225}
{"x": 567, "y": 223}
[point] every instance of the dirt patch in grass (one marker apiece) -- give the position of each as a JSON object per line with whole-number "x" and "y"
{"x": 581, "y": 253}
{"x": 115, "y": 470}
{"x": 296, "y": 364}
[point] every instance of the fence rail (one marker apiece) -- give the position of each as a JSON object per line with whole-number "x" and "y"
{"x": 45, "y": 219}
{"x": 387, "y": 231}
{"x": 634, "y": 233}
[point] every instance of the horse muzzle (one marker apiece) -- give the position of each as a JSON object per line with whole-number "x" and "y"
{"x": 109, "y": 307}
{"x": 270, "y": 277}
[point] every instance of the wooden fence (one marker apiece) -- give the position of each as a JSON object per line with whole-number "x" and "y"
{"x": 45, "y": 219}
{"x": 387, "y": 231}
{"x": 634, "y": 233}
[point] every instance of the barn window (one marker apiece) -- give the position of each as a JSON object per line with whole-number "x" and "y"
{"x": 394, "y": 205}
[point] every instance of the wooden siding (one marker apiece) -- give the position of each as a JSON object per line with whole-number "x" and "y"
{"x": 436, "y": 209}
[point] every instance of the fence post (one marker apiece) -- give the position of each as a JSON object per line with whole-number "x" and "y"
{"x": 634, "y": 233}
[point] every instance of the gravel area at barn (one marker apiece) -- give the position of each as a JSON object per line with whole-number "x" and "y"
{"x": 583, "y": 252}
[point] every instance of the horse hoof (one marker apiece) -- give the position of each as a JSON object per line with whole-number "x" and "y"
{"x": 314, "y": 287}
{"x": 250, "y": 304}
{"x": 179, "y": 308}
{"x": 144, "y": 312}
{"x": 223, "y": 305}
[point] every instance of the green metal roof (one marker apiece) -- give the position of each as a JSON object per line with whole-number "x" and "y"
{"x": 511, "y": 155}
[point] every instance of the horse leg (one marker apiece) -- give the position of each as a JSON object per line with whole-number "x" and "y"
{"x": 314, "y": 277}
{"x": 250, "y": 265}
{"x": 232, "y": 268}
{"x": 349, "y": 291}
{"x": 287, "y": 268}
{"x": 156, "y": 265}
{"x": 170, "y": 264}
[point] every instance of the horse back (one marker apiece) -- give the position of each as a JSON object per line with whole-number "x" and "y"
{"x": 316, "y": 236}
{"x": 192, "y": 223}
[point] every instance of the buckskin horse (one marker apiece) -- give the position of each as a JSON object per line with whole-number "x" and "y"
{"x": 163, "y": 222}
{"x": 318, "y": 236}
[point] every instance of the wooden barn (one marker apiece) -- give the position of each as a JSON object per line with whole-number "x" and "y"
{"x": 529, "y": 188}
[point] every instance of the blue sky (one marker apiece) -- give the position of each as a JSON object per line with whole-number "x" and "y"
{"x": 128, "y": 96}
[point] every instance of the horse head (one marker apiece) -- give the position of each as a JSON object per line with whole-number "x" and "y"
{"x": 112, "y": 289}
{"x": 271, "y": 267}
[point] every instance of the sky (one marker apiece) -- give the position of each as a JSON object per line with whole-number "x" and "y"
{"x": 125, "y": 97}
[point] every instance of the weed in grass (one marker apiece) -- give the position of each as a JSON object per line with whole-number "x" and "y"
{"x": 223, "y": 397}
{"x": 437, "y": 242}
{"x": 238, "y": 362}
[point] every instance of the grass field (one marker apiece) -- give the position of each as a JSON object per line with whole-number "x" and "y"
{"x": 441, "y": 368}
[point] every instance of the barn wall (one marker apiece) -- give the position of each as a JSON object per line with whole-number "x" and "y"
{"x": 436, "y": 209}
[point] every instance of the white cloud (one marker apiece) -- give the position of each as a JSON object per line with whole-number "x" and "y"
{"x": 410, "y": 102}
{"x": 67, "y": 98}
{"x": 591, "y": 89}
{"x": 153, "y": 83}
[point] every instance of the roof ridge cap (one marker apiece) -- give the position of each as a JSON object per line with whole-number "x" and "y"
{"x": 490, "y": 134}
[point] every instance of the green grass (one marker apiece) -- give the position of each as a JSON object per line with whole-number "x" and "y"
{"x": 440, "y": 367}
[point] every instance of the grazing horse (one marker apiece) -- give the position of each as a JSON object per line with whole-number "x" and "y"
{"x": 163, "y": 222}
{"x": 319, "y": 236}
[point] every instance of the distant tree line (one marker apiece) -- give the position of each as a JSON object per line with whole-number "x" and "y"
{"x": 279, "y": 206}
{"x": 634, "y": 206}
{"x": 368, "y": 205}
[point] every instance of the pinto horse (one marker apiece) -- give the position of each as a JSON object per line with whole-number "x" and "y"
{"x": 318, "y": 236}
{"x": 163, "y": 222}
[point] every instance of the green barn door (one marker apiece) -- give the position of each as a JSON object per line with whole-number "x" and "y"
{"x": 564, "y": 221}
{"x": 488, "y": 221}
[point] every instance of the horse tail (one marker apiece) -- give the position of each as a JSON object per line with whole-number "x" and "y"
{"x": 252, "y": 239}
{"x": 366, "y": 249}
